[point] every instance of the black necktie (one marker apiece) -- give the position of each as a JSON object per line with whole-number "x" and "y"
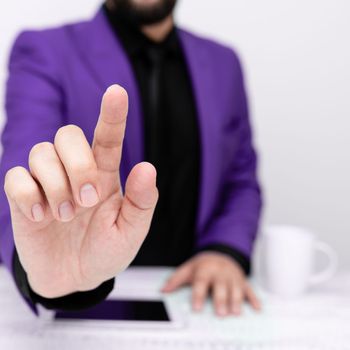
{"x": 155, "y": 57}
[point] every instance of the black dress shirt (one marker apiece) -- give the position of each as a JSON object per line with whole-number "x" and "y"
{"x": 172, "y": 145}
{"x": 171, "y": 141}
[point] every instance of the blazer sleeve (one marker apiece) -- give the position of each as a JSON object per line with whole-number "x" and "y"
{"x": 235, "y": 222}
{"x": 34, "y": 105}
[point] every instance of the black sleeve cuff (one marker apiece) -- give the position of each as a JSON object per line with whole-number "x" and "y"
{"x": 74, "y": 301}
{"x": 235, "y": 254}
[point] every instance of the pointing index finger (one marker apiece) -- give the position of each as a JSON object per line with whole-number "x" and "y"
{"x": 110, "y": 129}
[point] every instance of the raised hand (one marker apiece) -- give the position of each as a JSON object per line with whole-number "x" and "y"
{"x": 73, "y": 227}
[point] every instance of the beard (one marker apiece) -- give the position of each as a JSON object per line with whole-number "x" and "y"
{"x": 143, "y": 14}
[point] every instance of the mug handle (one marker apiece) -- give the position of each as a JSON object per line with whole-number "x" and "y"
{"x": 332, "y": 267}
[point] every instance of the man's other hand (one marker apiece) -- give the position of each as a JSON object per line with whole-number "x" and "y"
{"x": 216, "y": 273}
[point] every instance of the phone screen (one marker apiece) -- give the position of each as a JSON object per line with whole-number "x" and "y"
{"x": 120, "y": 310}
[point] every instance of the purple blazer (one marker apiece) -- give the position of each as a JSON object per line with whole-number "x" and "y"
{"x": 58, "y": 76}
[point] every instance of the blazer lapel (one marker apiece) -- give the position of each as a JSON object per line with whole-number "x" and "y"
{"x": 203, "y": 81}
{"x": 109, "y": 64}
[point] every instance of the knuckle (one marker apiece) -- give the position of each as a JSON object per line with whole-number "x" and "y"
{"x": 10, "y": 176}
{"x": 220, "y": 299}
{"x": 67, "y": 130}
{"x": 13, "y": 172}
{"x": 59, "y": 191}
{"x": 239, "y": 274}
{"x": 84, "y": 167}
{"x": 39, "y": 149}
{"x": 198, "y": 294}
{"x": 216, "y": 271}
{"x": 220, "y": 291}
{"x": 176, "y": 277}
{"x": 199, "y": 290}
{"x": 172, "y": 280}
{"x": 228, "y": 277}
{"x": 24, "y": 194}
{"x": 236, "y": 300}
{"x": 199, "y": 284}
{"x": 201, "y": 274}
{"x": 201, "y": 280}
{"x": 210, "y": 267}
{"x": 237, "y": 295}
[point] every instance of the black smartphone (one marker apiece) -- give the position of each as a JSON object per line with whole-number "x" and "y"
{"x": 121, "y": 310}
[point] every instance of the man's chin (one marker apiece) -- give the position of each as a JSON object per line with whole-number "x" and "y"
{"x": 144, "y": 12}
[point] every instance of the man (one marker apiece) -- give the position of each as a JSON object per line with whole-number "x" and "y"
{"x": 77, "y": 214}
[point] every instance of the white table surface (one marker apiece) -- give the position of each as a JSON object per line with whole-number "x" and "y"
{"x": 318, "y": 320}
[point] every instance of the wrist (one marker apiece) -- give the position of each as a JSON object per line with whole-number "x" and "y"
{"x": 52, "y": 288}
{"x": 77, "y": 300}
{"x": 49, "y": 290}
{"x": 236, "y": 255}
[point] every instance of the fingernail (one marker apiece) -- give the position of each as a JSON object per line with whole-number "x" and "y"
{"x": 196, "y": 307}
{"x": 222, "y": 311}
{"x": 236, "y": 310}
{"x": 88, "y": 195}
{"x": 38, "y": 212}
{"x": 66, "y": 211}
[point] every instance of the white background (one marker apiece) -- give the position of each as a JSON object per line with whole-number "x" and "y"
{"x": 296, "y": 55}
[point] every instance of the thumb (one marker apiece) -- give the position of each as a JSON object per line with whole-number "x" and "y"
{"x": 181, "y": 277}
{"x": 139, "y": 202}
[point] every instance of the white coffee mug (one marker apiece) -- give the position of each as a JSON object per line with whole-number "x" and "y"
{"x": 288, "y": 259}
